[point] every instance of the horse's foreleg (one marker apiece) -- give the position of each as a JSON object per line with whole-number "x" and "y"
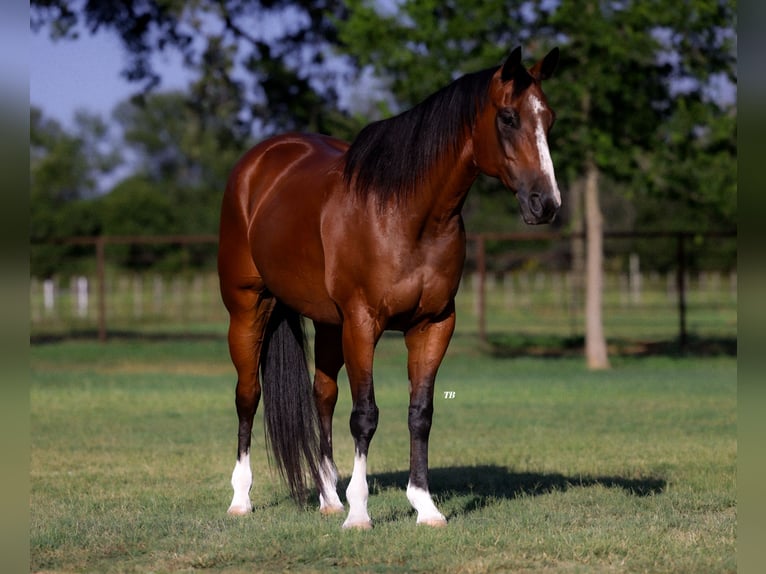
{"x": 328, "y": 354}
{"x": 359, "y": 338}
{"x": 249, "y": 314}
{"x": 426, "y": 345}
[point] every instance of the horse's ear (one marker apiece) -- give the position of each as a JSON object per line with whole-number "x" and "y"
{"x": 511, "y": 65}
{"x": 544, "y": 68}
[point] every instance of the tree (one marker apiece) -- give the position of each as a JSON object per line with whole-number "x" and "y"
{"x": 138, "y": 206}
{"x": 694, "y": 167}
{"x": 184, "y": 152}
{"x": 67, "y": 165}
{"x": 634, "y": 90}
{"x": 265, "y": 60}
{"x": 615, "y": 91}
{"x": 609, "y": 123}
{"x": 258, "y": 67}
{"x": 627, "y": 101}
{"x": 65, "y": 171}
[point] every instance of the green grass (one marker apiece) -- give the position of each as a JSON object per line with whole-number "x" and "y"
{"x": 539, "y": 465}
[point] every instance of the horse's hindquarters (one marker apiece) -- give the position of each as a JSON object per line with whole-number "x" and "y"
{"x": 287, "y": 190}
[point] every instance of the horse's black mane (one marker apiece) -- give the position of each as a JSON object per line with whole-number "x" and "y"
{"x": 390, "y": 158}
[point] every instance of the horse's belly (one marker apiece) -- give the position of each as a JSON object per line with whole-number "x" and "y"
{"x": 296, "y": 284}
{"x": 307, "y": 301}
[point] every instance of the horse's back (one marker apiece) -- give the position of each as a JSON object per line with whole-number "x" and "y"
{"x": 273, "y": 165}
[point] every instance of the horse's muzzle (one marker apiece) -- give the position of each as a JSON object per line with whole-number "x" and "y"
{"x": 539, "y": 208}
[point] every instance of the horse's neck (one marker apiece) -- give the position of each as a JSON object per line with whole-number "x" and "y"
{"x": 447, "y": 188}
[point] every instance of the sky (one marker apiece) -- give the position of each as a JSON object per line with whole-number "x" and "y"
{"x": 85, "y": 73}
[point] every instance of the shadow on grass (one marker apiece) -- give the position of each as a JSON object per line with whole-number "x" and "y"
{"x": 552, "y": 346}
{"x": 498, "y": 345}
{"x": 122, "y": 335}
{"x": 486, "y": 483}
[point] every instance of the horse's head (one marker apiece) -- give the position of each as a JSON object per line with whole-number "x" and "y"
{"x": 510, "y": 137}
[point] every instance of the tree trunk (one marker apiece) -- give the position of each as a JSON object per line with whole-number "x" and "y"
{"x": 595, "y": 343}
{"x": 577, "y": 248}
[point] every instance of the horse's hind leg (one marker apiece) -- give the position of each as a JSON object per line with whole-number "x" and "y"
{"x": 328, "y": 353}
{"x": 249, "y": 311}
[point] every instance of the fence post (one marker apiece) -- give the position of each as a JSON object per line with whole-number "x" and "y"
{"x": 81, "y": 289}
{"x": 481, "y": 271}
{"x": 101, "y": 272}
{"x": 681, "y": 283}
{"x": 49, "y": 295}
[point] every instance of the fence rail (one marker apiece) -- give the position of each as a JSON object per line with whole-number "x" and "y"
{"x": 145, "y": 298}
{"x": 681, "y": 238}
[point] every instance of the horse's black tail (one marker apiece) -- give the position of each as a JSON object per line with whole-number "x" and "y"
{"x": 290, "y": 416}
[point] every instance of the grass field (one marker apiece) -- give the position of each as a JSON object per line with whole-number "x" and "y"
{"x": 539, "y": 465}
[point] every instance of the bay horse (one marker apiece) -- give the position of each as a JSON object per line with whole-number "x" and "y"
{"x": 359, "y": 239}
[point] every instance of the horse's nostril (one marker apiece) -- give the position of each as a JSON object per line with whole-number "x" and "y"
{"x": 535, "y": 204}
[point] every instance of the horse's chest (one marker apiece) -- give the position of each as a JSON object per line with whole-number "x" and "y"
{"x": 391, "y": 271}
{"x": 424, "y": 289}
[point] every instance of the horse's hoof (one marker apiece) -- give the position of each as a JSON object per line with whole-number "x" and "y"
{"x": 331, "y": 510}
{"x": 239, "y": 510}
{"x": 358, "y": 525}
{"x": 434, "y": 522}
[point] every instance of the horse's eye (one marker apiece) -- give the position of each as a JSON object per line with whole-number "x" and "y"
{"x": 509, "y": 117}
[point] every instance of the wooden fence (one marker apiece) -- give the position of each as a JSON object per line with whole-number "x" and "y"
{"x": 681, "y": 238}
{"x": 145, "y": 297}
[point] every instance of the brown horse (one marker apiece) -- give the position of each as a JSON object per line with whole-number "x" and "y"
{"x": 361, "y": 239}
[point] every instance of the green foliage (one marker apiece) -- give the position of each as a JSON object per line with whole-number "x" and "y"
{"x": 630, "y": 116}
{"x": 694, "y": 167}
{"x": 71, "y": 219}
{"x": 180, "y": 147}
{"x": 151, "y": 210}
{"x": 176, "y": 146}
{"x": 634, "y": 93}
{"x": 180, "y": 168}
{"x": 419, "y": 47}
{"x": 151, "y": 213}
{"x": 64, "y": 170}
{"x": 611, "y": 83}
{"x": 64, "y": 165}
{"x": 615, "y": 91}
{"x": 282, "y": 46}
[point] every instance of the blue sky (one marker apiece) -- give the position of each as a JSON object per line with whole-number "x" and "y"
{"x": 85, "y": 73}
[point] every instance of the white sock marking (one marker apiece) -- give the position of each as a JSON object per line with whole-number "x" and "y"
{"x": 328, "y": 495}
{"x": 422, "y": 502}
{"x": 241, "y": 481}
{"x": 356, "y": 494}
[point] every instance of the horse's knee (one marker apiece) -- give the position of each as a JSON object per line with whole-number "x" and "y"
{"x": 419, "y": 418}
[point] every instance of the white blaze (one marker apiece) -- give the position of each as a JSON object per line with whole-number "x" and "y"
{"x": 546, "y": 163}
